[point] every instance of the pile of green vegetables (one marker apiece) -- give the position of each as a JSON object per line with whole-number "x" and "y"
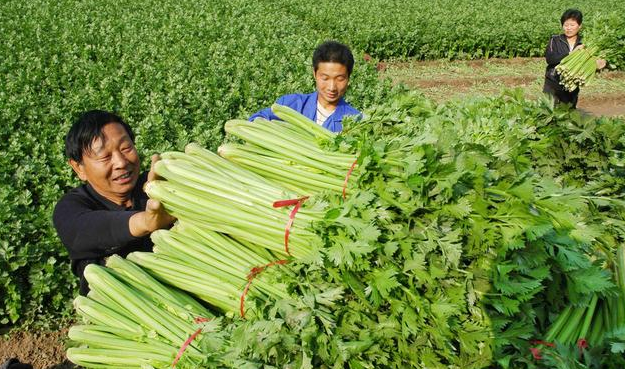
{"x": 453, "y": 236}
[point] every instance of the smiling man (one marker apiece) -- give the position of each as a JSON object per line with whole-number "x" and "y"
{"x": 333, "y": 63}
{"x": 110, "y": 213}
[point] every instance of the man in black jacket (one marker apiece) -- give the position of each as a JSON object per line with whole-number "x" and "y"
{"x": 110, "y": 213}
{"x": 558, "y": 48}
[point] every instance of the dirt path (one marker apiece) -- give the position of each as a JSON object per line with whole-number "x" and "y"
{"x": 603, "y": 105}
{"x": 444, "y": 80}
{"x": 41, "y": 350}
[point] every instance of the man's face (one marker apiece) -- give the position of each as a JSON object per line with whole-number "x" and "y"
{"x": 331, "y": 80}
{"x": 111, "y": 166}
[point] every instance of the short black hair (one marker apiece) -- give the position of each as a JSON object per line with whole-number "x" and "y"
{"x": 87, "y": 128}
{"x": 333, "y": 52}
{"x": 571, "y": 14}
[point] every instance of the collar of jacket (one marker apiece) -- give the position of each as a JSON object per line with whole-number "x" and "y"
{"x": 562, "y": 37}
{"x": 333, "y": 121}
{"x": 311, "y": 104}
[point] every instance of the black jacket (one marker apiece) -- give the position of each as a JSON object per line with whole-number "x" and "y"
{"x": 557, "y": 49}
{"x": 92, "y": 227}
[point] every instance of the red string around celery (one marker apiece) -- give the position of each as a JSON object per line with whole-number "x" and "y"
{"x": 582, "y": 344}
{"x": 188, "y": 341}
{"x": 298, "y": 204}
{"x": 536, "y": 351}
{"x": 349, "y": 173}
{"x": 250, "y": 277}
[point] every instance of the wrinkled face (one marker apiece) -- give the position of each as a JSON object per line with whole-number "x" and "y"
{"x": 571, "y": 27}
{"x": 331, "y": 80}
{"x": 111, "y": 166}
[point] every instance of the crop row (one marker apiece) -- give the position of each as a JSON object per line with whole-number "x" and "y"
{"x": 464, "y": 29}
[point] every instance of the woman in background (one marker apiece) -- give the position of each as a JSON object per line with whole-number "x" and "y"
{"x": 558, "y": 48}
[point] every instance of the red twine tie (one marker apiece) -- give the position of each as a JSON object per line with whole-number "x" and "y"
{"x": 582, "y": 344}
{"x": 287, "y": 231}
{"x": 536, "y": 351}
{"x": 349, "y": 173}
{"x": 253, "y": 273}
{"x": 188, "y": 341}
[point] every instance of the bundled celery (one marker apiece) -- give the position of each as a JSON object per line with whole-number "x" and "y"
{"x": 133, "y": 321}
{"x": 211, "y": 266}
{"x": 456, "y": 239}
{"x": 293, "y": 153}
{"x": 207, "y": 190}
{"x": 289, "y": 152}
{"x": 596, "y": 318}
{"x": 578, "y": 68}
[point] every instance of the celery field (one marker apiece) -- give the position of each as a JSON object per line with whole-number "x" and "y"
{"x": 177, "y": 71}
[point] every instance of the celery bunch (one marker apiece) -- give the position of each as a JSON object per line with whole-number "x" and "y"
{"x": 130, "y": 320}
{"x": 209, "y": 265}
{"x": 578, "y": 68}
{"x": 601, "y": 315}
{"x": 289, "y": 152}
{"x": 447, "y": 251}
{"x": 202, "y": 188}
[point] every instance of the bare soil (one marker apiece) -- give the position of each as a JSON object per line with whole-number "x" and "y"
{"x": 41, "y": 350}
{"x": 468, "y": 82}
{"x": 606, "y": 105}
{"x": 441, "y": 80}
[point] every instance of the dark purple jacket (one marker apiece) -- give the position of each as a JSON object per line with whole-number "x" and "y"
{"x": 557, "y": 49}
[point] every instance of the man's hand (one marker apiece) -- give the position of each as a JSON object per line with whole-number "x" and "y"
{"x": 152, "y": 174}
{"x": 601, "y": 63}
{"x": 578, "y": 47}
{"x": 154, "y": 217}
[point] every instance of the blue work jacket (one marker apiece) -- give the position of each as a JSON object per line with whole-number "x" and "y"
{"x": 306, "y": 104}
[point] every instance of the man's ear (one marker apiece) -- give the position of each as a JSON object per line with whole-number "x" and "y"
{"x": 79, "y": 169}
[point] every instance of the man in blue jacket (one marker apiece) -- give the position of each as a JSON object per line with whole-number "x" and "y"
{"x": 333, "y": 63}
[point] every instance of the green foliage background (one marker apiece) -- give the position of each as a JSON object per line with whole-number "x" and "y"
{"x": 176, "y": 71}
{"x": 465, "y": 29}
